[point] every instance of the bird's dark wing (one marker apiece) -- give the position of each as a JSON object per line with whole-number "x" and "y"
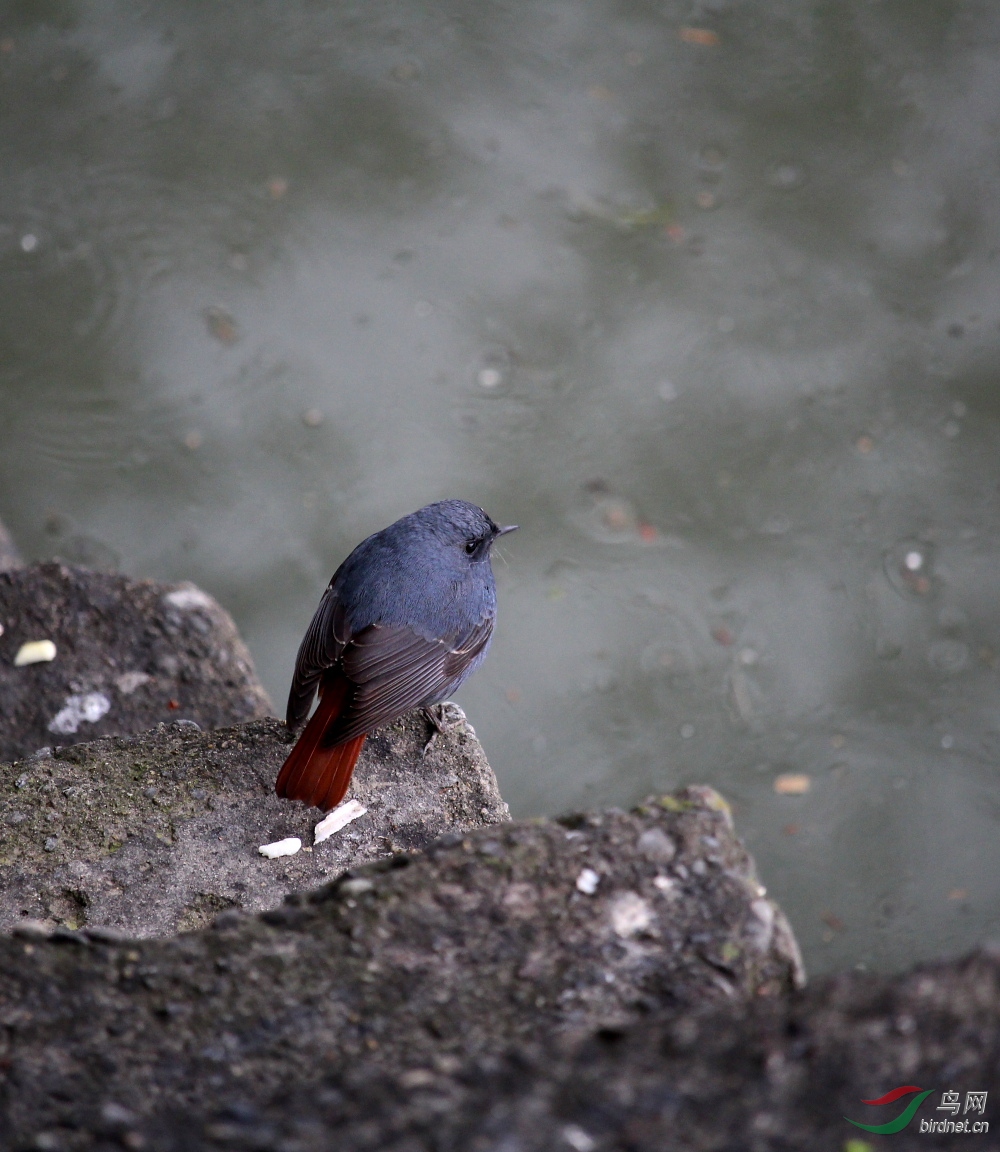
{"x": 394, "y": 670}
{"x": 324, "y": 641}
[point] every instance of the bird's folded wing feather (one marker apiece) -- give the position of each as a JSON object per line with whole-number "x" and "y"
{"x": 394, "y": 670}
{"x": 325, "y": 638}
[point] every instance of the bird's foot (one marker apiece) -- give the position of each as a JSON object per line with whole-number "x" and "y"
{"x": 445, "y": 717}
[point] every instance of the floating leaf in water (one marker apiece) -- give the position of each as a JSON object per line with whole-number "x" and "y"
{"x": 221, "y": 326}
{"x": 704, "y": 37}
{"x": 792, "y": 784}
{"x": 660, "y": 216}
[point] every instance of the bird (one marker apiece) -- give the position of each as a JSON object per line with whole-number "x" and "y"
{"x": 405, "y": 620}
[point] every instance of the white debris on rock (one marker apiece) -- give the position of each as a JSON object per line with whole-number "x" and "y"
{"x": 127, "y": 682}
{"x": 287, "y": 847}
{"x": 587, "y": 882}
{"x": 189, "y": 598}
{"x": 339, "y": 818}
{"x": 760, "y": 925}
{"x": 630, "y": 914}
{"x": 80, "y": 710}
{"x": 35, "y": 652}
{"x": 577, "y": 1139}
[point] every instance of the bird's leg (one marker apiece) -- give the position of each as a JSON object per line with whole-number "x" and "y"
{"x": 437, "y": 714}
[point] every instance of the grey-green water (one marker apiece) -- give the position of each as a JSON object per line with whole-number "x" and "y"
{"x": 703, "y": 295}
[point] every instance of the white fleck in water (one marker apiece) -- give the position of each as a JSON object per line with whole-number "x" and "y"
{"x": 490, "y": 378}
{"x": 914, "y": 561}
{"x": 29, "y": 242}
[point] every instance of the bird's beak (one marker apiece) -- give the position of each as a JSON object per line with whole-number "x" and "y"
{"x": 504, "y": 531}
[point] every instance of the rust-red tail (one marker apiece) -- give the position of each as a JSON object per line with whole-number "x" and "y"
{"x": 314, "y": 772}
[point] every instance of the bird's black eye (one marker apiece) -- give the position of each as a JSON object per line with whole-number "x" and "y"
{"x": 471, "y": 547}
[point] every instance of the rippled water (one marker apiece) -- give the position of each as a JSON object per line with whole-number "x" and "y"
{"x": 702, "y": 295}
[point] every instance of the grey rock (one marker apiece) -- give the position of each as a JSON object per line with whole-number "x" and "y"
{"x": 9, "y": 555}
{"x": 159, "y": 833}
{"x": 129, "y": 654}
{"x": 376, "y": 1012}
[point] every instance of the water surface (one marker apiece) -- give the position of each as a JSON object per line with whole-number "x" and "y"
{"x": 703, "y": 295}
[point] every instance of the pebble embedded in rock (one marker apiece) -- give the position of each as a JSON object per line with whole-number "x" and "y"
{"x": 188, "y": 598}
{"x": 656, "y": 845}
{"x": 587, "y": 881}
{"x": 630, "y": 914}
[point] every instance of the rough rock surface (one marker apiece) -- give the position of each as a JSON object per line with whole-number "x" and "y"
{"x": 776, "y": 1075}
{"x": 9, "y": 555}
{"x": 417, "y": 972}
{"x": 129, "y": 654}
{"x": 157, "y": 833}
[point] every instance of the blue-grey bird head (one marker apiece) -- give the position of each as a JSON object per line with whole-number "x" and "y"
{"x": 429, "y": 569}
{"x": 464, "y": 528}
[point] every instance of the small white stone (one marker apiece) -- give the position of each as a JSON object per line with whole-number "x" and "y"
{"x": 188, "y": 598}
{"x": 587, "y": 882}
{"x": 287, "y": 847}
{"x": 630, "y": 914}
{"x": 665, "y": 885}
{"x": 914, "y": 561}
{"x": 339, "y": 818}
{"x": 35, "y": 652}
{"x": 29, "y": 242}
